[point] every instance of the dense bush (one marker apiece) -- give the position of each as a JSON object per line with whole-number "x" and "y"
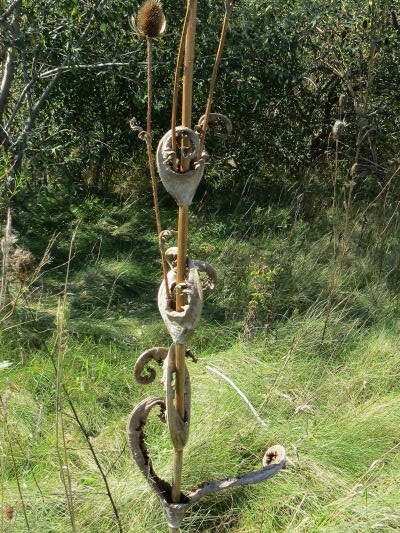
{"x": 284, "y": 67}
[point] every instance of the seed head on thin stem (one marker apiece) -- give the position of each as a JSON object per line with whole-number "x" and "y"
{"x": 150, "y": 21}
{"x": 338, "y": 129}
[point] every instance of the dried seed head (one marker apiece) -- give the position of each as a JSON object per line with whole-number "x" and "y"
{"x": 355, "y": 169}
{"x": 9, "y": 512}
{"x": 338, "y": 129}
{"x": 22, "y": 263}
{"x": 150, "y": 20}
{"x": 342, "y": 100}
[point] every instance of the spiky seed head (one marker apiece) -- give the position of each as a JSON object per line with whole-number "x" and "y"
{"x": 22, "y": 263}
{"x": 150, "y": 20}
{"x": 338, "y": 129}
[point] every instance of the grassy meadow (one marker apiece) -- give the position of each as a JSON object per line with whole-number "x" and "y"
{"x": 304, "y": 320}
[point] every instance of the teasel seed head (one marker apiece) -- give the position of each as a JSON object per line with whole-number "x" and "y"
{"x": 22, "y": 263}
{"x": 150, "y": 21}
{"x": 338, "y": 129}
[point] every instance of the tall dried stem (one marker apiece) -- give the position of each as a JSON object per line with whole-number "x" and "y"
{"x": 15, "y": 468}
{"x": 149, "y": 139}
{"x": 178, "y": 69}
{"x": 61, "y": 449}
{"x": 5, "y": 250}
{"x": 334, "y": 279}
{"x": 228, "y": 10}
{"x": 183, "y": 218}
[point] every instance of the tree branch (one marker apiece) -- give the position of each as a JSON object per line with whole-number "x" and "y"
{"x": 62, "y": 70}
{"x": 93, "y": 66}
{"x": 9, "y": 10}
{"x": 37, "y": 107}
{"x": 9, "y": 67}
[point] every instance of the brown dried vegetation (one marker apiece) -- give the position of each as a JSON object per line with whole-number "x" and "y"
{"x": 22, "y": 263}
{"x": 151, "y": 19}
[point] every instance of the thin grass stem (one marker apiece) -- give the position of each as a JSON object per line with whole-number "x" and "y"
{"x": 241, "y": 394}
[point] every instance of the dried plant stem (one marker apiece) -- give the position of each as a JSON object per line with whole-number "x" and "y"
{"x": 183, "y": 228}
{"x": 180, "y": 351}
{"x": 183, "y": 219}
{"x": 60, "y": 433}
{"x": 12, "y": 305}
{"x": 96, "y": 460}
{"x": 17, "y": 480}
{"x": 217, "y": 62}
{"x": 296, "y": 513}
{"x": 187, "y": 82}
{"x": 5, "y": 249}
{"x": 334, "y": 279}
{"x": 92, "y": 451}
{"x": 149, "y": 138}
{"x": 384, "y": 189}
{"x": 241, "y": 393}
{"x": 178, "y": 69}
{"x": 7, "y": 434}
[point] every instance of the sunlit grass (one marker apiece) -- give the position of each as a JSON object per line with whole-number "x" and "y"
{"x": 332, "y": 402}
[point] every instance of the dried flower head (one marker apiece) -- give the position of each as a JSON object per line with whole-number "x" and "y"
{"x": 9, "y": 512}
{"x": 22, "y": 263}
{"x": 338, "y": 129}
{"x": 150, "y": 21}
{"x": 355, "y": 170}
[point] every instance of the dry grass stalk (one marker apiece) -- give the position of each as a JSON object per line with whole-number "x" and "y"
{"x": 61, "y": 447}
{"x": 228, "y": 9}
{"x": 183, "y": 221}
{"x": 5, "y": 248}
{"x": 7, "y": 437}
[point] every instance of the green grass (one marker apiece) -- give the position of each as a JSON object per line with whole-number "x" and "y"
{"x": 339, "y": 421}
{"x": 332, "y": 402}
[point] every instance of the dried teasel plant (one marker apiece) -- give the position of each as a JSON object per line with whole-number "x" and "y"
{"x": 181, "y": 309}
{"x": 150, "y": 21}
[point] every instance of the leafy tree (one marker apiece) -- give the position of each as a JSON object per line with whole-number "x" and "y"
{"x": 74, "y": 74}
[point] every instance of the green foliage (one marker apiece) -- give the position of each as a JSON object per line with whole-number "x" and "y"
{"x": 338, "y": 419}
{"x": 283, "y": 69}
